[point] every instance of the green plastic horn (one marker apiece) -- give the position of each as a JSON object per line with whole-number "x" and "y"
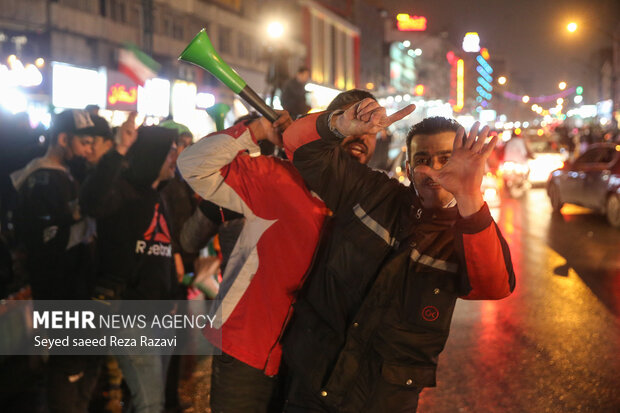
{"x": 200, "y": 52}
{"x": 218, "y": 113}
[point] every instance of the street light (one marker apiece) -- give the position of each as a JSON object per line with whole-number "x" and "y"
{"x": 562, "y": 85}
{"x": 501, "y": 80}
{"x": 275, "y": 30}
{"x": 525, "y": 99}
{"x": 571, "y": 27}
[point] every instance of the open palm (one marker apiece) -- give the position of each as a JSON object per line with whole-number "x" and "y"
{"x": 462, "y": 173}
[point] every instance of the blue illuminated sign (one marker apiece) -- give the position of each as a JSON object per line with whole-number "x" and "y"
{"x": 484, "y": 64}
{"x": 484, "y": 74}
{"x": 485, "y": 84}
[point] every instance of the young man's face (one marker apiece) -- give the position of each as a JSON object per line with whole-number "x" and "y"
{"x": 100, "y": 147}
{"x": 167, "y": 169}
{"x": 78, "y": 146}
{"x": 360, "y": 147}
{"x": 433, "y": 150}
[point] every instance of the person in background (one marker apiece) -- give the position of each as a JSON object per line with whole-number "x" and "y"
{"x": 134, "y": 240}
{"x": 56, "y": 237}
{"x": 516, "y": 150}
{"x": 293, "y": 95}
{"x": 93, "y": 110}
{"x": 103, "y": 140}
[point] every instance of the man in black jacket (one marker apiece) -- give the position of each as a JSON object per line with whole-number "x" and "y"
{"x": 375, "y": 312}
{"x": 134, "y": 245}
{"x": 294, "y": 94}
{"x": 57, "y": 237}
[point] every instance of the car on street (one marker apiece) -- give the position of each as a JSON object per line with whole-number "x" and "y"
{"x": 591, "y": 181}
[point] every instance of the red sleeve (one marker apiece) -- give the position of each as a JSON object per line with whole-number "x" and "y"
{"x": 485, "y": 258}
{"x": 301, "y": 132}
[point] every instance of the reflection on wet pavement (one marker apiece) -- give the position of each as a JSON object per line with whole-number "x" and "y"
{"x": 553, "y": 345}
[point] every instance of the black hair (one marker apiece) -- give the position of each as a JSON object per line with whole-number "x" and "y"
{"x": 431, "y": 126}
{"x": 350, "y": 96}
{"x": 302, "y": 69}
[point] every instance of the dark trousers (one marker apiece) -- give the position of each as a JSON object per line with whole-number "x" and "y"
{"x": 70, "y": 382}
{"x": 237, "y": 387}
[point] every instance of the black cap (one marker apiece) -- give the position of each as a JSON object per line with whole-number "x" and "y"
{"x": 73, "y": 121}
{"x": 100, "y": 128}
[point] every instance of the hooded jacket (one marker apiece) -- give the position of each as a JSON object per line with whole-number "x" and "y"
{"x": 134, "y": 246}
{"x": 55, "y": 235}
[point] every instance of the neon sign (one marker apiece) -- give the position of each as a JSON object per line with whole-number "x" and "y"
{"x": 471, "y": 42}
{"x": 119, "y": 93}
{"x": 407, "y": 23}
{"x": 460, "y": 85}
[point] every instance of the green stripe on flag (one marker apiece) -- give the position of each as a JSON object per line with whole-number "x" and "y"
{"x": 144, "y": 58}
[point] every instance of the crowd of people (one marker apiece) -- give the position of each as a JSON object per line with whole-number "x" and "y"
{"x": 337, "y": 283}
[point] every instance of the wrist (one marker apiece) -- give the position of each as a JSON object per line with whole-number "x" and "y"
{"x": 257, "y": 131}
{"x": 469, "y": 203}
{"x": 334, "y": 121}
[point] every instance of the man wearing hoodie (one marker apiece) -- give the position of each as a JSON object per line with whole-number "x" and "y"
{"x": 56, "y": 238}
{"x": 135, "y": 252}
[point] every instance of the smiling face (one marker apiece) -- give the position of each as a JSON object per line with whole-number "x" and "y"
{"x": 359, "y": 147}
{"x": 433, "y": 150}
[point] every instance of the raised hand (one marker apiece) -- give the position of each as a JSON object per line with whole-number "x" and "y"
{"x": 262, "y": 129}
{"x": 127, "y": 134}
{"x": 366, "y": 117}
{"x": 462, "y": 174}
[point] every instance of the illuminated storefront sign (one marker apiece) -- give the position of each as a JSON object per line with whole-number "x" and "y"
{"x": 121, "y": 93}
{"x": 471, "y": 42}
{"x": 484, "y": 80}
{"x": 75, "y": 87}
{"x": 460, "y": 85}
{"x": 183, "y": 101}
{"x": 407, "y": 23}
{"x": 154, "y": 98}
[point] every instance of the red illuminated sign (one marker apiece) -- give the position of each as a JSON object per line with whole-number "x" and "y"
{"x": 119, "y": 94}
{"x": 407, "y": 23}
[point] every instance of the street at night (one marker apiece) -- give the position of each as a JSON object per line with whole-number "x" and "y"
{"x": 550, "y": 347}
{"x": 309, "y": 206}
{"x": 553, "y": 345}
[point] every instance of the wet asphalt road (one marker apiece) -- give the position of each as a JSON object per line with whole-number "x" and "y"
{"x": 554, "y": 345}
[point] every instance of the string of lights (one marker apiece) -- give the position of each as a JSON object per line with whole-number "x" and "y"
{"x": 542, "y": 98}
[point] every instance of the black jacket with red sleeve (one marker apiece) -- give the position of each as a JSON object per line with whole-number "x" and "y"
{"x": 375, "y": 311}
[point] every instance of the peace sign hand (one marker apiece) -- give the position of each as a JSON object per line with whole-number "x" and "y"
{"x": 367, "y": 117}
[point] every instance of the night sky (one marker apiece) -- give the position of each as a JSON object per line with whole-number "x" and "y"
{"x": 530, "y": 34}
